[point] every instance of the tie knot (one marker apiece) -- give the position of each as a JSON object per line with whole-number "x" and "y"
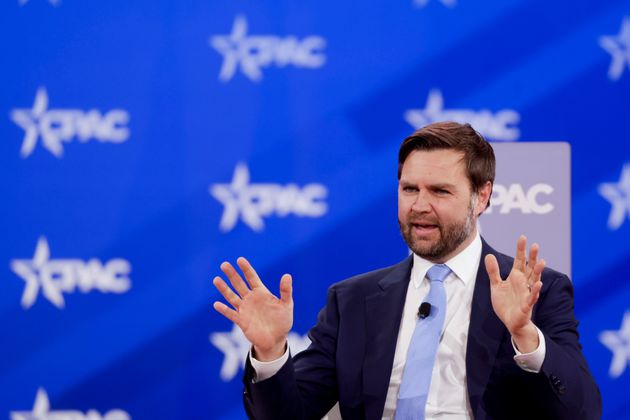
{"x": 438, "y": 272}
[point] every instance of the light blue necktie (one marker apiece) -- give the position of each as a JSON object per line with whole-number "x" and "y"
{"x": 414, "y": 387}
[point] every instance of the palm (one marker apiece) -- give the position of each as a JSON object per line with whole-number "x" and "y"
{"x": 510, "y": 300}
{"x": 264, "y": 318}
{"x": 513, "y": 298}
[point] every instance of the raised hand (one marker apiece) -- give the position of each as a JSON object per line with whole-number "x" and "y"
{"x": 264, "y": 319}
{"x": 514, "y": 298}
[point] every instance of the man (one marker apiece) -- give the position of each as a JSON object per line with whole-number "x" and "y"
{"x": 496, "y": 340}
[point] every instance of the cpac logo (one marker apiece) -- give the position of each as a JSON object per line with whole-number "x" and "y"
{"x": 235, "y": 347}
{"x": 618, "y": 342}
{"x": 252, "y": 202}
{"x": 255, "y": 52}
{"x": 58, "y": 126}
{"x": 499, "y": 126}
{"x": 619, "y": 49}
{"x": 57, "y": 276}
{"x": 618, "y": 195}
{"x": 41, "y": 411}
{"x": 514, "y": 197}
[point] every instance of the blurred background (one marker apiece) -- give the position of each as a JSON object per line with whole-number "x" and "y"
{"x": 145, "y": 142}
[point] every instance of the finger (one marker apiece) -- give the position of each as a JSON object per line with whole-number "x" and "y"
{"x": 537, "y": 272}
{"x": 534, "y": 294}
{"x": 519, "y": 259}
{"x": 537, "y": 283}
{"x": 250, "y": 274}
{"x": 230, "y": 314}
{"x": 227, "y": 293}
{"x": 492, "y": 267}
{"x": 533, "y": 256}
{"x": 286, "y": 289}
{"x": 538, "y": 269}
{"x": 235, "y": 279}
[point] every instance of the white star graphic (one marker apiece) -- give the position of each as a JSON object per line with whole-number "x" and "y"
{"x": 231, "y": 48}
{"x": 619, "y": 197}
{"x": 619, "y": 49}
{"x": 236, "y": 198}
{"x": 29, "y": 271}
{"x": 41, "y": 411}
{"x": 41, "y": 408}
{"x": 432, "y": 110}
{"x": 28, "y": 120}
{"x": 53, "y": 2}
{"x": 447, "y": 3}
{"x": 618, "y": 342}
{"x": 235, "y": 347}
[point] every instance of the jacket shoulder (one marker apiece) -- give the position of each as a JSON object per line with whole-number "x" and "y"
{"x": 370, "y": 279}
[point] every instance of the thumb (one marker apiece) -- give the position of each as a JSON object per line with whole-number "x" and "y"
{"x": 286, "y": 289}
{"x": 492, "y": 267}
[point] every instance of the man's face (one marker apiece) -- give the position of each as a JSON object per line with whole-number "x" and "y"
{"x": 437, "y": 210}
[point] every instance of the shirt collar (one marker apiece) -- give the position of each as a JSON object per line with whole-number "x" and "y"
{"x": 463, "y": 265}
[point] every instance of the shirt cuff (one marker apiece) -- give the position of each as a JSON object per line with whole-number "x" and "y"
{"x": 265, "y": 370}
{"x": 531, "y": 362}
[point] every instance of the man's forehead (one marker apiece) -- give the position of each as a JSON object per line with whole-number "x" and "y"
{"x": 446, "y": 153}
{"x": 441, "y": 159}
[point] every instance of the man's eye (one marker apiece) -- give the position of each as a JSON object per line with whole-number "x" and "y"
{"x": 442, "y": 192}
{"x": 410, "y": 189}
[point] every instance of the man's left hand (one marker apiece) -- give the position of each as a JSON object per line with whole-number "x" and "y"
{"x": 514, "y": 297}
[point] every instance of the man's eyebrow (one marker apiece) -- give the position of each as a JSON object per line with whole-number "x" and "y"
{"x": 444, "y": 185}
{"x": 441, "y": 185}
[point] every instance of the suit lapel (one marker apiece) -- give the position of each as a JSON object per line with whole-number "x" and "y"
{"x": 485, "y": 333}
{"x": 383, "y": 316}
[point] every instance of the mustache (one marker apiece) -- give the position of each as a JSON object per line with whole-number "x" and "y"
{"x": 422, "y": 221}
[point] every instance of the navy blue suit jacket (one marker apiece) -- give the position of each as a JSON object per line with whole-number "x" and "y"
{"x": 352, "y": 352}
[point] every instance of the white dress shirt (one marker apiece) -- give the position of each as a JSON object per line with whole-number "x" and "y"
{"x": 448, "y": 396}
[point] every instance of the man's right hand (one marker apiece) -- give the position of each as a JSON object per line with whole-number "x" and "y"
{"x": 264, "y": 319}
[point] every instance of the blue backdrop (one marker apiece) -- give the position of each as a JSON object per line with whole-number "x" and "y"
{"x": 143, "y": 143}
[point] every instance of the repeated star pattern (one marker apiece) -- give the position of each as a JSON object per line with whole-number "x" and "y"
{"x": 618, "y": 342}
{"x": 236, "y": 200}
{"x": 53, "y": 2}
{"x": 618, "y": 46}
{"x": 618, "y": 195}
{"x": 234, "y": 347}
{"x": 229, "y": 46}
{"x": 41, "y": 410}
{"x": 28, "y": 120}
{"x": 29, "y": 271}
{"x": 447, "y": 3}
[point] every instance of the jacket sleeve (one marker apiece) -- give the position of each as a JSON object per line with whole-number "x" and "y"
{"x": 305, "y": 387}
{"x": 564, "y": 366}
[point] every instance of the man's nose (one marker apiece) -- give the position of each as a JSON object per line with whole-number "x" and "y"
{"x": 422, "y": 203}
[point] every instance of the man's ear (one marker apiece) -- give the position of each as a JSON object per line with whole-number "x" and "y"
{"x": 483, "y": 196}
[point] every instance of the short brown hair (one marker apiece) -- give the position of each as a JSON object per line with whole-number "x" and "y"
{"x": 479, "y": 157}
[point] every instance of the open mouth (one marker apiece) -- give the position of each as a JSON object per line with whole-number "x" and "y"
{"x": 424, "y": 227}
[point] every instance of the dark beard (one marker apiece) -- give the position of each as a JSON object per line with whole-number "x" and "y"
{"x": 450, "y": 238}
